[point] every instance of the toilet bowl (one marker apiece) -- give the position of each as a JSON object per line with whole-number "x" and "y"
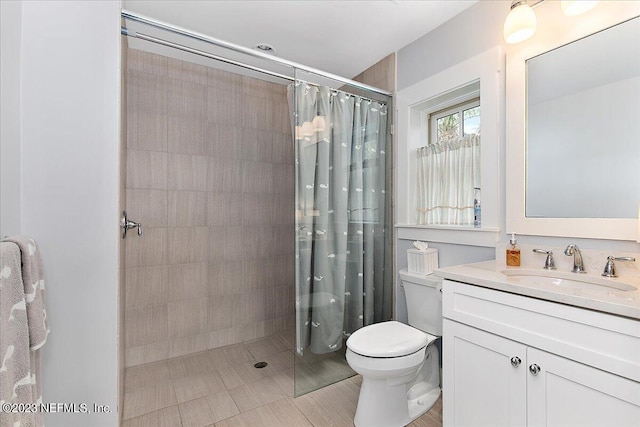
{"x": 399, "y": 363}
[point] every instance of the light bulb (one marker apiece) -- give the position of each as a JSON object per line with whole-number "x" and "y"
{"x": 520, "y": 23}
{"x": 576, "y": 7}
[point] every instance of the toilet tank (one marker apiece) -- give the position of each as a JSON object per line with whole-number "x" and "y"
{"x": 424, "y": 301}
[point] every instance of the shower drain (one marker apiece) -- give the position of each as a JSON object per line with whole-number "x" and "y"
{"x": 260, "y": 365}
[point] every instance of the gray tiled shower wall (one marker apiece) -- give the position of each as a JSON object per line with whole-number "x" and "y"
{"x": 210, "y": 176}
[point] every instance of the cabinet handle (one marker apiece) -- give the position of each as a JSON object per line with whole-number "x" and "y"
{"x": 515, "y": 361}
{"x": 534, "y": 369}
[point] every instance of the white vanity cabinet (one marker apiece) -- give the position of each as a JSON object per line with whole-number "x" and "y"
{"x": 510, "y": 360}
{"x": 479, "y": 385}
{"x": 569, "y": 393}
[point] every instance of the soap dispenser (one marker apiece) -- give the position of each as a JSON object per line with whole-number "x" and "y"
{"x": 513, "y": 252}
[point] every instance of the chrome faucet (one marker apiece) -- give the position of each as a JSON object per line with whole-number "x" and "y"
{"x": 610, "y": 267}
{"x": 578, "y": 264}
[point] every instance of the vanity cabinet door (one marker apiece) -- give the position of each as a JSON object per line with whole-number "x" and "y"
{"x": 484, "y": 378}
{"x": 567, "y": 393}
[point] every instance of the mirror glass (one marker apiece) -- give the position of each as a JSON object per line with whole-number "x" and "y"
{"x": 583, "y": 127}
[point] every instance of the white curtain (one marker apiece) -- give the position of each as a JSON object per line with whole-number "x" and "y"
{"x": 341, "y": 144}
{"x": 447, "y": 176}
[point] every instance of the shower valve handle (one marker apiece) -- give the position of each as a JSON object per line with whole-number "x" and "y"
{"x": 126, "y": 224}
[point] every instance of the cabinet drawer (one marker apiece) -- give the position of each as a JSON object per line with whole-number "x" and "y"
{"x": 601, "y": 340}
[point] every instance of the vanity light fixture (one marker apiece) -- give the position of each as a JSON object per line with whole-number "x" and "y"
{"x": 520, "y": 23}
{"x": 521, "y": 20}
{"x": 576, "y": 7}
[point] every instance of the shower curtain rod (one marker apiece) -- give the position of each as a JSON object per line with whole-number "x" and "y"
{"x": 221, "y": 43}
{"x": 156, "y": 40}
{"x": 187, "y": 49}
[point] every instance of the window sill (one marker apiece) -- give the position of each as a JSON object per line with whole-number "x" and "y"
{"x": 459, "y": 235}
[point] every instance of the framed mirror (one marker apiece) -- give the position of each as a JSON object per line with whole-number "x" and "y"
{"x": 573, "y": 136}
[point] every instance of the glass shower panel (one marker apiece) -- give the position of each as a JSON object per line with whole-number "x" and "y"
{"x": 343, "y": 259}
{"x": 224, "y": 131}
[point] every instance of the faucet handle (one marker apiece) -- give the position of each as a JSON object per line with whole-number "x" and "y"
{"x": 549, "y": 264}
{"x": 610, "y": 267}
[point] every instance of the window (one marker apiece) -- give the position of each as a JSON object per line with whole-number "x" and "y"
{"x": 449, "y": 166}
{"x": 481, "y": 76}
{"x": 447, "y": 125}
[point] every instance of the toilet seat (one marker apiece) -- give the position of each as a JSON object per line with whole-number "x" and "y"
{"x": 388, "y": 340}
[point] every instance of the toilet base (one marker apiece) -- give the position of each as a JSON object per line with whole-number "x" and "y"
{"x": 422, "y": 404}
{"x": 395, "y": 409}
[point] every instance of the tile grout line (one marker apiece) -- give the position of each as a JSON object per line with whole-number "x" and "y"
{"x": 293, "y": 401}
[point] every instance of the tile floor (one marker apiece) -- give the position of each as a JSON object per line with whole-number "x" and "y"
{"x": 221, "y": 388}
{"x": 314, "y": 371}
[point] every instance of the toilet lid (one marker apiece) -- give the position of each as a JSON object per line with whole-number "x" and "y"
{"x": 387, "y": 339}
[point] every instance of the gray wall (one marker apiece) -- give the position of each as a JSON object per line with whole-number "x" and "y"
{"x": 10, "y": 198}
{"x": 474, "y": 31}
{"x": 448, "y": 254}
{"x": 63, "y": 148}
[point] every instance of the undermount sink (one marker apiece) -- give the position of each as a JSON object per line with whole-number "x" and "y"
{"x": 567, "y": 279}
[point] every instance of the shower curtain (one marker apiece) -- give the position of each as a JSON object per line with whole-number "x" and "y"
{"x": 341, "y": 144}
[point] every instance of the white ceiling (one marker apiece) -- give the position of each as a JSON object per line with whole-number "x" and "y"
{"x": 340, "y": 37}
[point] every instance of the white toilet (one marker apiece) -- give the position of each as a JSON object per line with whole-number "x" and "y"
{"x": 399, "y": 364}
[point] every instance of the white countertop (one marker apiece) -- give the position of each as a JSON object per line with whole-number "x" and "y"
{"x": 489, "y": 274}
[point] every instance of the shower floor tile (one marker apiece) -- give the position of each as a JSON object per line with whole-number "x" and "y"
{"x": 167, "y": 417}
{"x": 221, "y": 388}
{"x": 189, "y": 388}
{"x": 148, "y": 399}
{"x": 208, "y": 410}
